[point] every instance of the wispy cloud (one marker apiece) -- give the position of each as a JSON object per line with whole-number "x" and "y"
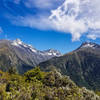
{"x": 77, "y": 17}
{"x": 94, "y": 34}
{"x": 39, "y": 22}
{"x": 1, "y": 30}
{"x": 17, "y": 1}
{"x": 43, "y": 4}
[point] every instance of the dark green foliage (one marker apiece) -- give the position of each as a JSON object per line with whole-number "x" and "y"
{"x": 12, "y": 70}
{"x": 34, "y": 74}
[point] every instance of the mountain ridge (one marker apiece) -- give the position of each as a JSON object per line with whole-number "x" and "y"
{"x": 19, "y": 43}
{"x": 82, "y": 65}
{"x": 21, "y": 56}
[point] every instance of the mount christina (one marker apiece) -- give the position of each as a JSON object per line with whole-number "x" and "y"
{"x": 22, "y": 57}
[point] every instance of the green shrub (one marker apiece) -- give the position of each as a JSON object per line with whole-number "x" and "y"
{"x": 34, "y": 75}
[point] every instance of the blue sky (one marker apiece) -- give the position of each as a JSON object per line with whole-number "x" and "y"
{"x": 45, "y": 24}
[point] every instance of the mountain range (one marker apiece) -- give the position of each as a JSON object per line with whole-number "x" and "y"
{"x": 82, "y": 65}
{"x": 22, "y": 57}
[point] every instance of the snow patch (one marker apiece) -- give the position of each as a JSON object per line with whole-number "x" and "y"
{"x": 89, "y": 45}
{"x": 49, "y": 52}
{"x": 17, "y": 42}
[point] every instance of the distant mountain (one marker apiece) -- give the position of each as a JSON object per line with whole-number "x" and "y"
{"x": 82, "y": 65}
{"x": 22, "y": 57}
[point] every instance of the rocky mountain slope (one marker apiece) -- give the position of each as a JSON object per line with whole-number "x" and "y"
{"x": 82, "y": 65}
{"x": 22, "y": 57}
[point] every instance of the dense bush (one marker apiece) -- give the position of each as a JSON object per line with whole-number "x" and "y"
{"x": 38, "y": 85}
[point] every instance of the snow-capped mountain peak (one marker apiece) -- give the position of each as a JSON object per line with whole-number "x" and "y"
{"x": 53, "y": 52}
{"x": 90, "y": 45}
{"x": 50, "y": 52}
{"x": 20, "y": 44}
{"x": 17, "y": 42}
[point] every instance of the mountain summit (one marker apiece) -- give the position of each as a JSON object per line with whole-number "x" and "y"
{"x": 49, "y": 52}
{"x": 22, "y": 56}
{"x": 90, "y": 45}
{"x": 17, "y": 42}
{"x": 82, "y": 65}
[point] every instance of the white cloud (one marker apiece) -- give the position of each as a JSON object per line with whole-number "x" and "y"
{"x": 77, "y": 17}
{"x": 39, "y": 22}
{"x": 94, "y": 34}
